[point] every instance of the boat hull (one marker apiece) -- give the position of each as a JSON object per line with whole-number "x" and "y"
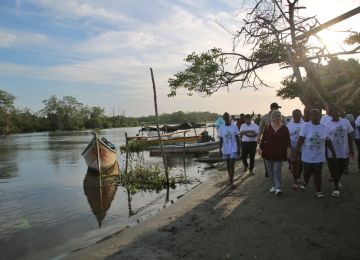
{"x": 167, "y": 140}
{"x": 188, "y": 148}
{"x": 107, "y": 155}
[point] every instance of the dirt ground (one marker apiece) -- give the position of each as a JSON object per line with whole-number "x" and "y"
{"x": 213, "y": 222}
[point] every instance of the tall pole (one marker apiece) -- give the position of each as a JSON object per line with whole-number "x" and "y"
{"x": 127, "y": 153}
{"x": 158, "y": 129}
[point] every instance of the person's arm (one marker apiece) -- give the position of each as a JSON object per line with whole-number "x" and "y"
{"x": 220, "y": 147}
{"x": 261, "y": 129}
{"x": 329, "y": 145}
{"x": 351, "y": 149}
{"x": 238, "y": 144}
{"x": 299, "y": 143}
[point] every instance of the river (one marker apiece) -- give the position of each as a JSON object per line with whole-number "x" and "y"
{"x": 44, "y": 211}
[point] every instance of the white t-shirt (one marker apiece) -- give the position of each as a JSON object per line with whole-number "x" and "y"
{"x": 325, "y": 119}
{"x": 338, "y": 134}
{"x": 294, "y": 130}
{"x": 357, "y": 132}
{"x": 228, "y": 134}
{"x": 251, "y": 127}
{"x": 313, "y": 150}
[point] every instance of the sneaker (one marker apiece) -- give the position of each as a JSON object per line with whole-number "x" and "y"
{"x": 251, "y": 172}
{"x": 302, "y": 186}
{"x": 295, "y": 186}
{"x": 272, "y": 190}
{"x": 335, "y": 193}
{"x": 278, "y": 191}
{"x": 319, "y": 195}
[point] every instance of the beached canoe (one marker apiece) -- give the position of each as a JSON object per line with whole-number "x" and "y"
{"x": 189, "y": 148}
{"x": 100, "y": 153}
{"x": 167, "y": 139}
{"x": 101, "y": 194}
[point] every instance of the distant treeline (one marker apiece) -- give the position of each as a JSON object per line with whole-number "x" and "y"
{"x": 69, "y": 114}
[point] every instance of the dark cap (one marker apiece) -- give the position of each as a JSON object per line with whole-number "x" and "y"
{"x": 274, "y": 106}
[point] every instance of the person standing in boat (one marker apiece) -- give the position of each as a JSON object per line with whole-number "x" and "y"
{"x": 249, "y": 132}
{"x": 229, "y": 145}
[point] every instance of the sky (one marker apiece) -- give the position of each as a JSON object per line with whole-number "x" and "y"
{"x": 100, "y": 52}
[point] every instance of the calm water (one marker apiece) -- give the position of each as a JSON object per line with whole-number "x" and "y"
{"x": 45, "y": 207}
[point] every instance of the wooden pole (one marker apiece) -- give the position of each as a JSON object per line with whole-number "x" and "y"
{"x": 158, "y": 130}
{"x": 98, "y": 158}
{"x": 127, "y": 152}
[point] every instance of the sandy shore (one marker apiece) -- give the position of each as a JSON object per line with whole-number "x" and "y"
{"x": 213, "y": 222}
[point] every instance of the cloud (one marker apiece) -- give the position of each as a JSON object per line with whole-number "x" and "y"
{"x": 7, "y": 39}
{"x": 80, "y": 9}
{"x": 10, "y": 39}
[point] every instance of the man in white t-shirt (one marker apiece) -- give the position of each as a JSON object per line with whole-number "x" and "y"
{"x": 340, "y": 134}
{"x": 249, "y": 132}
{"x": 294, "y": 128}
{"x": 313, "y": 138}
{"x": 229, "y": 145}
{"x": 357, "y": 139}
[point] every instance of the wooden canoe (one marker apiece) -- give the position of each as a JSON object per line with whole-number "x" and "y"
{"x": 167, "y": 138}
{"x": 100, "y": 153}
{"x": 189, "y": 148}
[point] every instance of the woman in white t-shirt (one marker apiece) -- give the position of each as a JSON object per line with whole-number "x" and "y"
{"x": 313, "y": 138}
{"x": 294, "y": 128}
{"x": 357, "y": 139}
{"x": 340, "y": 134}
{"x": 249, "y": 132}
{"x": 229, "y": 145}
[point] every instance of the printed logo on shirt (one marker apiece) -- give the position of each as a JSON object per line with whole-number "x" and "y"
{"x": 315, "y": 139}
{"x": 339, "y": 134}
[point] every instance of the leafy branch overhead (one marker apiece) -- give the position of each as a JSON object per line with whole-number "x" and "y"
{"x": 271, "y": 32}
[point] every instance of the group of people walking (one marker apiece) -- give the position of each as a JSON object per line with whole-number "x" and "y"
{"x": 306, "y": 142}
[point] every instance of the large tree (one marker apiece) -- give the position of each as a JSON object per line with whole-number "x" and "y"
{"x": 274, "y": 32}
{"x": 6, "y": 109}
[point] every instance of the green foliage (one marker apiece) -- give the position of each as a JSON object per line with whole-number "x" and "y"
{"x": 69, "y": 114}
{"x": 269, "y": 52}
{"x": 135, "y": 146}
{"x": 145, "y": 179}
{"x": 334, "y": 74}
{"x": 353, "y": 39}
{"x": 202, "y": 75}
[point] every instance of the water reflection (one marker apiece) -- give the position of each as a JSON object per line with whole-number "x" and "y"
{"x": 8, "y": 165}
{"x": 63, "y": 147}
{"x": 100, "y": 192}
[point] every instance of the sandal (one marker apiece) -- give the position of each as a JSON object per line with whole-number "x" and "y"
{"x": 335, "y": 193}
{"x": 319, "y": 195}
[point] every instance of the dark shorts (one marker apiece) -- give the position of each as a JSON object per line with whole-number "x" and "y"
{"x": 310, "y": 166}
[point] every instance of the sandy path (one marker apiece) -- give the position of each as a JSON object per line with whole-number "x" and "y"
{"x": 212, "y": 222}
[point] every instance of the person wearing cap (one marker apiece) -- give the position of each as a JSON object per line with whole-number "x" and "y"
{"x": 266, "y": 119}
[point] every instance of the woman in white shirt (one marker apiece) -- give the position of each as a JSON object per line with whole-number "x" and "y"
{"x": 249, "y": 132}
{"x": 357, "y": 139}
{"x": 229, "y": 145}
{"x": 313, "y": 138}
{"x": 340, "y": 133}
{"x": 294, "y": 128}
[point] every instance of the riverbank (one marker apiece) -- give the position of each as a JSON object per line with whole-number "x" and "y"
{"x": 213, "y": 222}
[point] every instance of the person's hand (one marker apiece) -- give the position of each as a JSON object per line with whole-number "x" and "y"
{"x": 260, "y": 152}
{"x": 351, "y": 154}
